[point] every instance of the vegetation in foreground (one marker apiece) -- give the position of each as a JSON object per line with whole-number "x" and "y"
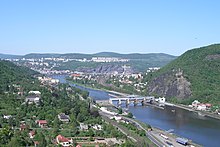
{"x": 15, "y": 85}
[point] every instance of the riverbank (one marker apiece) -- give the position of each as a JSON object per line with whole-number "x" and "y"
{"x": 94, "y": 88}
{"x": 202, "y": 130}
{"x": 201, "y": 113}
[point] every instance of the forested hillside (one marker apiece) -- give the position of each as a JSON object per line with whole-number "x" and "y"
{"x": 198, "y": 68}
{"x": 13, "y": 74}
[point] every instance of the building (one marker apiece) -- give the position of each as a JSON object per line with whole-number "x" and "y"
{"x": 36, "y": 143}
{"x": 201, "y": 107}
{"x": 31, "y": 134}
{"x": 83, "y": 127}
{"x": 97, "y": 127}
{"x": 63, "y": 141}
{"x": 208, "y": 106}
{"x": 34, "y": 92}
{"x": 161, "y": 100}
{"x": 23, "y": 127}
{"x": 7, "y": 116}
{"x": 118, "y": 118}
{"x": 42, "y": 123}
{"x": 195, "y": 103}
{"x": 108, "y": 59}
{"x": 63, "y": 117}
{"x": 32, "y": 99}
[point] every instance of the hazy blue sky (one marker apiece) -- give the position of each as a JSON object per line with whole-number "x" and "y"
{"x": 124, "y": 26}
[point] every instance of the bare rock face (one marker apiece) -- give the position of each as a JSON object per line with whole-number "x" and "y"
{"x": 172, "y": 84}
{"x": 106, "y": 69}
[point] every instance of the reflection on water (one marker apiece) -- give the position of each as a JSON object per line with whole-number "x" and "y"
{"x": 200, "y": 129}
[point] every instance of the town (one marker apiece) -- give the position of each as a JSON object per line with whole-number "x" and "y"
{"x": 52, "y": 113}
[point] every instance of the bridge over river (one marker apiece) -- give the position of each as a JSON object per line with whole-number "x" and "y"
{"x": 131, "y": 99}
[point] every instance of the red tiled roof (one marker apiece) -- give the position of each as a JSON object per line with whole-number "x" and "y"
{"x": 76, "y": 75}
{"x": 42, "y": 122}
{"x": 32, "y": 133}
{"x": 62, "y": 138}
{"x": 208, "y": 105}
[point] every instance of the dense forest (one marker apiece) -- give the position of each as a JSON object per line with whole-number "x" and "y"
{"x": 13, "y": 74}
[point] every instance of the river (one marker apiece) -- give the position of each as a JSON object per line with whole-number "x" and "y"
{"x": 200, "y": 129}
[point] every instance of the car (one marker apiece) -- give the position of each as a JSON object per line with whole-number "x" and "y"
{"x": 164, "y": 136}
{"x": 169, "y": 143}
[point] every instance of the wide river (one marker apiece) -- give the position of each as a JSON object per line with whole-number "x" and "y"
{"x": 202, "y": 130}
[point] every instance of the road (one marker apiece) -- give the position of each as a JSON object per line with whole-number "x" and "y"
{"x": 127, "y": 132}
{"x": 121, "y": 128}
{"x": 148, "y": 133}
{"x": 155, "y": 137}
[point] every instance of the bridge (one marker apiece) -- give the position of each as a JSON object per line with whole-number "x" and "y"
{"x": 132, "y": 98}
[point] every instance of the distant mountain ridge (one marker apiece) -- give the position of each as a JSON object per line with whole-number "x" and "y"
{"x": 9, "y": 56}
{"x": 193, "y": 75}
{"x": 81, "y": 55}
{"x": 139, "y": 62}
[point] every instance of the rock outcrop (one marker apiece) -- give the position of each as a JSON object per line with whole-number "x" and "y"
{"x": 171, "y": 84}
{"x": 107, "y": 69}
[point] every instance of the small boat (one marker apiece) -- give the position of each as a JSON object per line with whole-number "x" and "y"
{"x": 173, "y": 110}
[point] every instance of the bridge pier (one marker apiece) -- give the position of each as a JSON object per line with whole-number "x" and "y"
{"x": 127, "y": 102}
{"x": 135, "y": 102}
{"x": 142, "y": 102}
{"x": 131, "y": 99}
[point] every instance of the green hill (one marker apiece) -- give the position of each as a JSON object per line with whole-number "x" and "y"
{"x": 139, "y": 62}
{"x": 8, "y": 56}
{"x": 193, "y": 75}
{"x": 13, "y": 74}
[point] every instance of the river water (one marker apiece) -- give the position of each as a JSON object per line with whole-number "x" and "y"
{"x": 200, "y": 129}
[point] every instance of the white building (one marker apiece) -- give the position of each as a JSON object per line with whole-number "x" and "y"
{"x": 83, "y": 127}
{"x": 7, "y": 116}
{"x": 195, "y": 103}
{"x": 201, "y": 107}
{"x": 34, "y": 92}
{"x": 97, "y": 127}
{"x": 63, "y": 141}
{"x": 161, "y": 100}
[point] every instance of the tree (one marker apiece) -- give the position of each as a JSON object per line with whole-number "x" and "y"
{"x": 120, "y": 111}
{"x": 56, "y": 123}
{"x": 94, "y": 112}
{"x": 41, "y": 139}
{"x": 5, "y": 135}
{"x": 16, "y": 141}
{"x": 85, "y": 94}
{"x": 130, "y": 115}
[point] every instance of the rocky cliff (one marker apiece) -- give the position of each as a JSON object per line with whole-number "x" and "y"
{"x": 107, "y": 69}
{"x": 194, "y": 75}
{"x": 171, "y": 84}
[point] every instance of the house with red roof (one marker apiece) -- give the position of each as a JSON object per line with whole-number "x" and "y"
{"x": 31, "y": 134}
{"x": 36, "y": 143}
{"x": 42, "y": 123}
{"x": 63, "y": 141}
{"x": 23, "y": 127}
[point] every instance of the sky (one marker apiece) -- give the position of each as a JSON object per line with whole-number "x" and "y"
{"x": 123, "y": 26}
